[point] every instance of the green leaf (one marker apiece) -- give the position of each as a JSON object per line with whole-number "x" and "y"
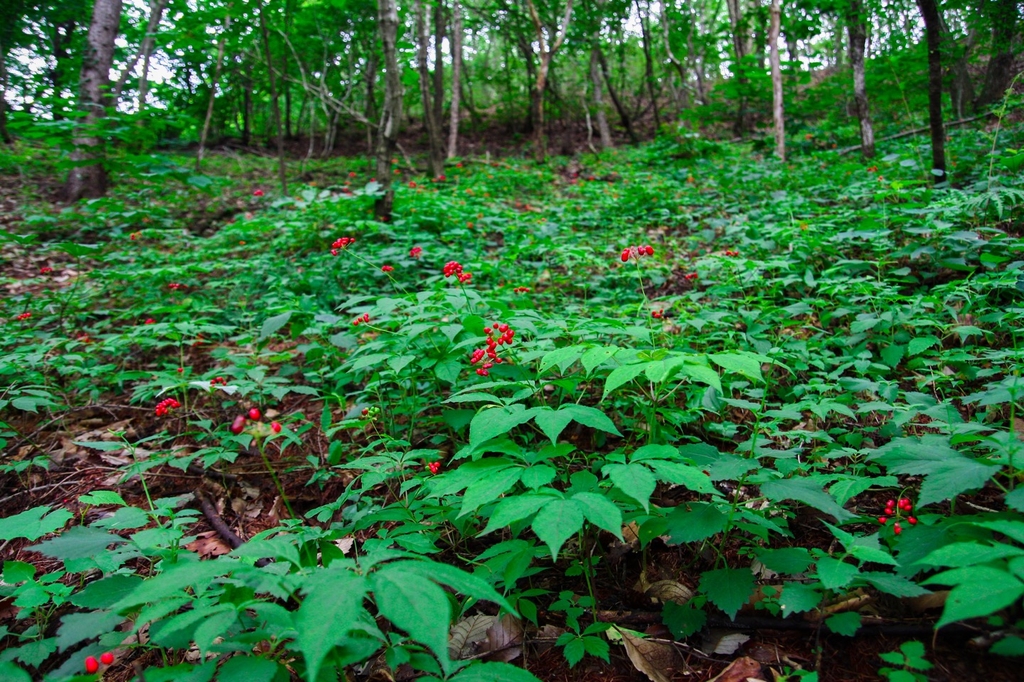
{"x": 331, "y": 609}
{"x": 416, "y": 605}
{"x": 496, "y": 421}
{"x": 797, "y": 598}
{"x": 946, "y": 472}
{"x": 746, "y": 364}
{"x": 448, "y": 371}
{"x": 104, "y": 593}
{"x": 983, "y": 597}
{"x": 919, "y": 344}
{"x": 595, "y": 357}
{"x": 552, "y": 422}
{"x": 634, "y": 480}
{"x": 895, "y": 585}
{"x": 34, "y": 523}
{"x": 489, "y": 489}
{"x": 683, "y": 620}
{"x": 845, "y": 624}
{"x": 18, "y": 572}
{"x": 699, "y": 522}
{"x": 563, "y": 357}
{"x": 493, "y": 672}
{"x": 728, "y": 588}
{"x": 460, "y": 581}
{"x": 622, "y": 375}
{"x": 183, "y": 672}
{"x": 689, "y": 477}
{"x": 556, "y": 522}
{"x": 702, "y": 373}
{"x": 101, "y": 445}
{"x": 98, "y": 497}
{"x": 835, "y": 574}
{"x": 515, "y": 508}
{"x": 601, "y": 512}
{"x": 892, "y": 354}
{"x": 246, "y": 669}
{"x": 86, "y": 625}
{"x": 272, "y": 324}
{"x": 806, "y": 490}
{"x": 12, "y": 673}
{"x": 78, "y": 542}
{"x": 788, "y": 560}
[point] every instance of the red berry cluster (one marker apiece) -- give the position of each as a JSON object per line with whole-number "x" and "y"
{"x": 658, "y": 314}
{"x": 218, "y": 380}
{"x": 238, "y": 425}
{"x": 501, "y": 334}
{"x": 636, "y": 252}
{"x": 362, "y": 319}
{"x": 434, "y": 467}
{"x": 45, "y": 270}
{"x": 387, "y": 268}
{"x": 341, "y": 243}
{"x": 149, "y": 320}
{"x": 258, "y": 193}
{"x": 732, "y": 254}
{"x": 23, "y": 316}
{"x": 175, "y": 286}
{"x": 689, "y": 277}
{"x": 165, "y": 406}
{"x": 455, "y": 268}
{"x": 92, "y": 666}
{"x": 415, "y": 251}
{"x": 897, "y": 509}
{"x": 411, "y": 184}
{"x": 521, "y": 290}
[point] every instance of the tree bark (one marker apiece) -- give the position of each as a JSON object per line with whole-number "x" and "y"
{"x": 435, "y": 158}
{"x": 5, "y": 135}
{"x": 682, "y": 102}
{"x": 547, "y": 51}
{"x": 603, "y": 130}
{"x": 156, "y": 14}
{"x": 776, "y": 67}
{"x": 739, "y": 45}
{"x": 1004, "y": 18}
{"x": 88, "y": 176}
{"x": 439, "y": 30}
{"x": 645, "y": 35}
{"x": 932, "y": 28}
{"x": 213, "y": 93}
{"x": 275, "y": 104}
{"x": 857, "y": 30}
{"x": 455, "y": 41}
{"x": 624, "y": 117}
{"x": 247, "y": 112}
{"x": 391, "y": 114}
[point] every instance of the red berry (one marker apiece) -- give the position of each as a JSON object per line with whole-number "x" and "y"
{"x": 275, "y": 427}
{"x": 107, "y": 658}
{"x": 912, "y": 520}
{"x": 254, "y": 414}
{"x": 91, "y": 664}
{"x": 883, "y": 520}
{"x": 890, "y": 503}
{"x": 258, "y": 193}
{"x": 238, "y": 425}
{"x": 896, "y": 529}
{"x": 625, "y": 255}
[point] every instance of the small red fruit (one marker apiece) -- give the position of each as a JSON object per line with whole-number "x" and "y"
{"x": 275, "y": 427}
{"x": 107, "y": 658}
{"x": 883, "y": 520}
{"x": 896, "y": 529}
{"x": 238, "y": 425}
{"x": 91, "y": 664}
{"x": 254, "y": 414}
{"x": 625, "y": 255}
{"x": 258, "y": 193}
{"x": 912, "y": 520}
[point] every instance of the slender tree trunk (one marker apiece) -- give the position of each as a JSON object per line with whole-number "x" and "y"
{"x": 698, "y": 70}
{"x": 439, "y": 31}
{"x": 739, "y": 44}
{"x": 547, "y": 51}
{"x": 682, "y": 101}
{"x": 372, "y": 62}
{"x": 387, "y": 131}
{"x": 857, "y": 30}
{"x": 455, "y": 41}
{"x": 645, "y": 35}
{"x": 156, "y": 14}
{"x": 5, "y": 136}
{"x": 213, "y": 94}
{"x": 776, "y": 67}
{"x": 247, "y": 112}
{"x": 602, "y": 120}
{"x": 930, "y": 14}
{"x": 61, "y": 37}
{"x": 1004, "y": 18}
{"x": 624, "y": 117}
{"x": 275, "y": 104}
{"x": 435, "y": 159}
{"x": 88, "y": 176}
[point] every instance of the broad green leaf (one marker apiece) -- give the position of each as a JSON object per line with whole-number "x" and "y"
{"x": 788, "y": 560}
{"x": 845, "y": 624}
{"x": 34, "y": 523}
{"x": 78, "y": 542}
{"x": 556, "y": 522}
{"x": 895, "y": 585}
{"x": 694, "y": 522}
{"x": 960, "y": 554}
{"x": 601, "y": 512}
{"x": 489, "y": 489}
{"x": 728, "y": 588}
{"x": 106, "y": 592}
{"x": 947, "y": 473}
{"x": 12, "y": 673}
{"x": 183, "y": 672}
{"x": 702, "y": 373}
{"x": 18, "y": 572}
{"x": 98, "y": 497}
{"x": 746, "y": 364}
{"x": 493, "y": 672}
{"x": 416, "y": 605}
{"x": 562, "y": 357}
{"x": 983, "y": 597}
{"x": 835, "y": 574}
{"x": 247, "y": 669}
{"x": 797, "y": 598}
{"x": 808, "y": 491}
{"x": 491, "y": 422}
{"x": 78, "y": 627}
{"x": 272, "y": 324}
{"x": 919, "y": 344}
{"x": 633, "y": 479}
{"x": 460, "y": 581}
{"x": 595, "y": 357}
{"x": 622, "y": 375}
{"x": 330, "y": 610}
{"x": 552, "y": 422}
{"x": 689, "y": 477}
{"x": 516, "y": 508}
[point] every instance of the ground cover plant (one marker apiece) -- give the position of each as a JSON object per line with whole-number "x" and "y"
{"x": 660, "y": 394}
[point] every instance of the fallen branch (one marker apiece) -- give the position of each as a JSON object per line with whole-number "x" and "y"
{"x": 218, "y": 523}
{"x": 914, "y": 131}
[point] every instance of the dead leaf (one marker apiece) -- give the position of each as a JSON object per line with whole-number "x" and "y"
{"x": 545, "y": 638}
{"x": 724, "y": 641}
{"x": 208, "y": 544}
{"x": 466, "y": 634}
{"x": 669, "y": 590}
{"x": 740, "y": 670}
{"x": 345, "y": 544}
{"x": 654, "y": 659}
{"x": 504, "y": 638}
{"x": 926, "y": 602}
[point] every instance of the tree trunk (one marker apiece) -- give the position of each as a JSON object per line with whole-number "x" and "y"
{"x": 156, "y": 14}
{"x": 602, "y": 120}
{"x": 739, "y": 46}
{"x": 247, "y": 112}
{"x": 627, "y": 123}
{"x": 5, "y": 135}
{"x": 1003, "y": 15}
{"x": 645, "y": 35}
{"x": 435, "y": 159}
{"x": 61, "y": 38}
{"x": 776, "y": 66}
{"x": 88, "y": 176}
{"x": 455, "y": 43}
{"x": 857, "y": 29}
{"x": 372, "y": 62}
{"x": 439, "y": 69}
{"x": 682, "y": 101}
{"x": 547, "y": 51}
{"x": 930, "y": 14}
{"x": 391, "y": 114}
{"x": 275, "y": 104}
{"x": 213, "y": 94}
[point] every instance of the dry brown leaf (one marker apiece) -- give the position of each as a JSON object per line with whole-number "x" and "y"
{"x": 504, "y": 638}
{"x": 466, "y": 634}
{"x": 740, "y": 670}
{"x": 724, "y": 641}
{"x": 545, "y": 638}
{"x": 208, "y": 544}
{"x": 926, "y": 602}
{"x": 669, "y": 590}
{"x": 345, "y": 544}
{"x": 653, "y": 659}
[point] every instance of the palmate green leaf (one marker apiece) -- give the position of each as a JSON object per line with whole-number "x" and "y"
{"x": 34, "y": 523}
{"x": 622, "y": 375}
{"x": 689, "y": 477}
{"x": 806, "y": 490}
{"x": 561, "y": 357}
{"x": 835, "y": 574}
{"x": 460, "y": 581}
{"x": 745, "y": 364}
{"x": 553, "y": 422}
{"x": 601, "y": 512}
{"x": 78, "y": 542}
{"x": 517, "y": 508}
{"x": 416, "y": 605}
{"x": 331, "y": 609}
{"x": 272, "y": 324}
{"x": 633, "y": 479}
{"x": 81, "y": 626}
{"x": 556, "y": 522}
{"x": 979, "y": 591}
{"x": 702, "y": 373}
{"x": 489, "y": 488}
{"x": 947, "y": 472}
{"x": 496, "y": 421}
{"x": 728, "y": 588}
